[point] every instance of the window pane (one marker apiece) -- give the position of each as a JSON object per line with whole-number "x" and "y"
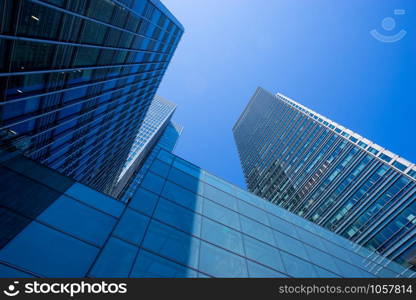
{"x": 86, "y": 56}
{"x": 290, "y": 245}
{"x": 154, "y": 266}
{"x": 348, "y": 270}
{"x": 221, "y": 214}
{"x": 101, "y": 10}
{"x": 185, "y": 180}
{"x": 345, "y": 254}
{"x": 144, "y": 201}
{"x": 132, "y": 226}
{"x": 153, "y": 182}
{"x": 179, "y": 217}
{"x": 253, "y": 212}
{"x": 65, "y": 256}
{"x": 187, "y": 167}
{"x": 220, "y": 197}
{"x": 259, "y": 271}
{"x": 263, "y": 253}
{"x": 257, "y": 230}
{"x": 165, "y": 156}
{"x": 7, "y": 272}
{"x": 322, "y": 273}
{"x": 297, "y": 267}
{"x": 221, "y": 263}
{"x": 172, "y": 243}
{"x": 38, "y": 21}
{"x": 182, "y": 196}
{"x": 31, "y": 56}
{"x": 323, "y": 259}
{"x": 115, "y": 260}
{"x": 222, "y": 236}
{"x": 311, "y": 239}
{"x": 78, "y": 219}
{"x": 30, "y": 201}
{"x": 160, "y": 168}
{"x": 95, "y": 199}
{"x": 283, "y": 226}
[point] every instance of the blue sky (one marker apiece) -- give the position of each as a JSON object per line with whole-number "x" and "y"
{"x": 317, "y": 52}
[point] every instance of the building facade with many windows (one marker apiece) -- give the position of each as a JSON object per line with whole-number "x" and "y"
{"x": 181, "y": 222}
{"x": 157, "y": 119}
{"x": 77, "y": 78}
{"x": 167, "y": 141}
{"x": 320, "y": 170}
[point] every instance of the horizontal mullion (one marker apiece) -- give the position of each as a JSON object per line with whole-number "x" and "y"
{"x": 77, "y": 87}
{"x": 54, "y": 42}
{"x": 83, "y": 126}
{"x": 7, "y": 74}
{"x": 37, "y": 116}
{"x": 94, "y": 20}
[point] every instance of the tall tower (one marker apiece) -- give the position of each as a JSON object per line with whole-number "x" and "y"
{"x": 77, "y": 78}
{"x": 155, "y": 130}
{"x": 318, "y": 169}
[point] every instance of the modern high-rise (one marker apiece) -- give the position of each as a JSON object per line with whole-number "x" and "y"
{"x": 157, "y": 119}
{"x": 180, "y": 222}
{"x": 167, "y": 142}
{"x": 77, "y": 78}
{"x": 324, "y": 172}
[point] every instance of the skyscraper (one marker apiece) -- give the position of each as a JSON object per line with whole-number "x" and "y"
{"x": 181, "y": 222}
{"x": 154, "y": 124}
{"x": 77, "y": 78}
{"x": 320, "y": 170}
{"x": 167, "y": 142}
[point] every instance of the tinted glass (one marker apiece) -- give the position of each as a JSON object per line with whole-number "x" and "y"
{"x": 221, "y": 263}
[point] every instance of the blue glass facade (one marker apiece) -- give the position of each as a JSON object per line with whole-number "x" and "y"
{"x": 77, "y": 77}
{"x": 322, "y": 171}
{"x": 181, "y": 222}
{"x": 167, "y": 141}
{"x": 155, "y": 123}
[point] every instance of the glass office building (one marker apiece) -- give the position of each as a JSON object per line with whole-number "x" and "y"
{"x": 167, "y": 141}
{"x": 320, "y": 170}
{"x": 77, "y": 77}
{"x": 181, "y": 222}
{"x": 157, "y": 119}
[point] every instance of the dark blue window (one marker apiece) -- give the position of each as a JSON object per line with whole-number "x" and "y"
{"x": 132, "y": 226}
{"x": 64, "y": 256}
{"x": 154, "y": 266}
{"x": 78, "y": 219}
{"x": 174, "y": 244}
{"x": 144, "y": 201}
{"x": 153, "y": 182}
{"x": 95, "y": 199}
{"x": 182, "y": 196}
{"x": 115, "y": 260}
{"x": 179, "y": 217}
{"x": 160, "y": 168}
